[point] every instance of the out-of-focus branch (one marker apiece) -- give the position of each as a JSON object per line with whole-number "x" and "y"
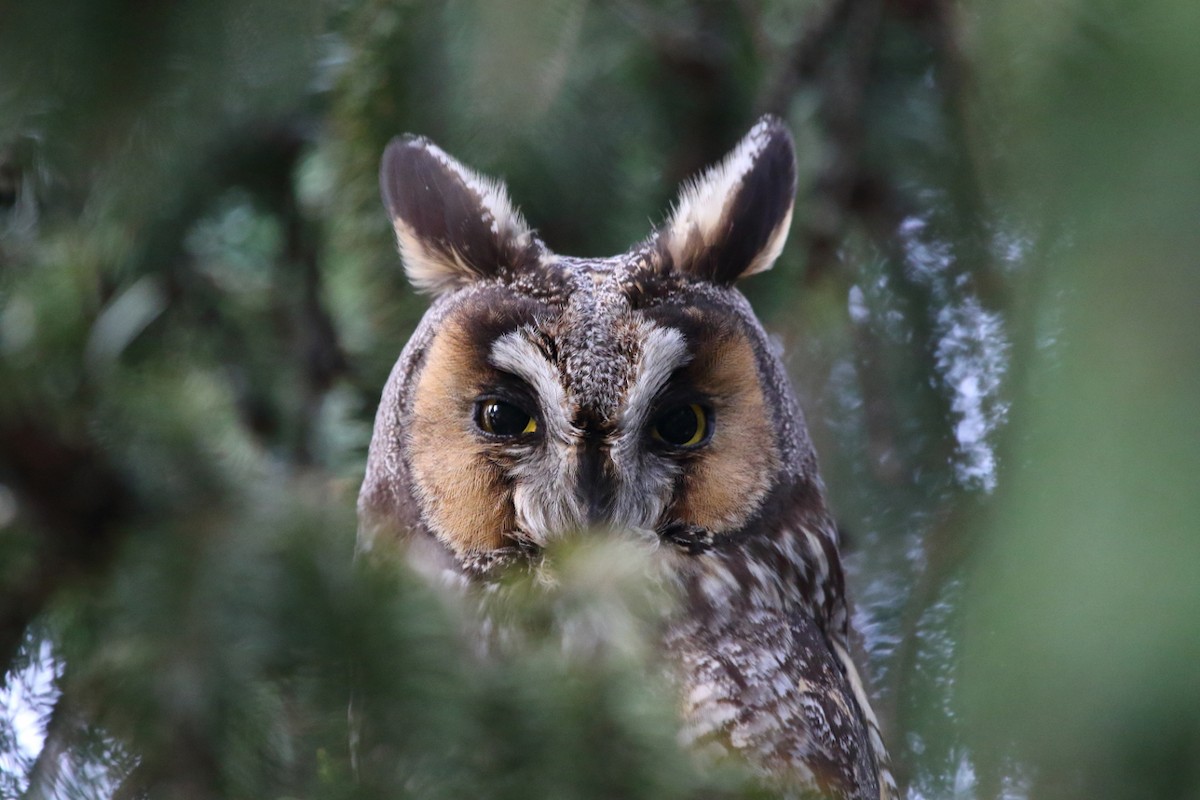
{"x": 76, "y": 502}
{"x": 266, "y": 164}
{"x": 60, "y": 738}
{"x": 318, "y": 348}
{"x": 834, "y": 54}
{"x": 835, "y": 57}
{"x": 134, "y": 786}
{"x": 812, "y": 47}
{"x": 698, "y": 61}
{"x": 262, "y": 160}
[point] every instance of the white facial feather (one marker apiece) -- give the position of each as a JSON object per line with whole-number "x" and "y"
{"x": 643, "y": 480}
{"x": 663, "y": 351}
{"x": 514, "y": 353}
{"x": 543, "y": 494}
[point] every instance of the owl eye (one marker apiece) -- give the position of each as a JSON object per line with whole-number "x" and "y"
{"x": 503, "y": 419}
{"x": 685, "y": 425}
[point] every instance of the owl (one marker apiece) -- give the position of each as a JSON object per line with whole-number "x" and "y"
{"x": 543, "y": 394}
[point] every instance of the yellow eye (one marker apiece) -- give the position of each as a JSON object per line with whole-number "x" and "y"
{"x": 503, "y": 419}
{"x": 684, "y": 425}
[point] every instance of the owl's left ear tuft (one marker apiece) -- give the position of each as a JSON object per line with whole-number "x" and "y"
{"x": 733, "y": 220}
{"x": 453, "y": 226}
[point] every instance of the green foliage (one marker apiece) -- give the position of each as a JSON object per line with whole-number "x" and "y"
{"x": 993, "y": 252}
{"x": 1086, "y": 590}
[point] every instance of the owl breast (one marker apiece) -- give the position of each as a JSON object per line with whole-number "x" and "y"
{"x": 543, "y": 396}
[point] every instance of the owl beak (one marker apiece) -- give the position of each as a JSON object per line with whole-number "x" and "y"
{"x": 595, "y": 488}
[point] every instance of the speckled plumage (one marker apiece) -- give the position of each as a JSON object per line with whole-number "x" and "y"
{"x": 596, "y": 353}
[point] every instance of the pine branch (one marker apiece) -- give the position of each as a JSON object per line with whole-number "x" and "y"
{"x": 77, "y": 502}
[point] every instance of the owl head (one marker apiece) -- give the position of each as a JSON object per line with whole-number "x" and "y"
{"x": 545, "y": 394}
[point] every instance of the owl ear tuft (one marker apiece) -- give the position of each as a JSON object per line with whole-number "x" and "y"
{"x": 733, "y": 220}
{"x": 453, "y": 226}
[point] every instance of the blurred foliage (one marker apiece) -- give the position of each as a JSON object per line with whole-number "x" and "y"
{"x": 988, "y": 303}
{"x": 1083, "y": 637}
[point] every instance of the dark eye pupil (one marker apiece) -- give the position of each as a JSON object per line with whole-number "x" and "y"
{"x": 502, "y": 419}
{"x": 679, "y": 426}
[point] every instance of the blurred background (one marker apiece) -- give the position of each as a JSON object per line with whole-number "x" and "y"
{"x": 990, "y": 303}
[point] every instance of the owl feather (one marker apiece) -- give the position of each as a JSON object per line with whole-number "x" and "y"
{"x": 544, "y": 396}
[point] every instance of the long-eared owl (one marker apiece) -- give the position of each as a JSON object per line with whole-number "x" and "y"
{"x": 543, "y": 394}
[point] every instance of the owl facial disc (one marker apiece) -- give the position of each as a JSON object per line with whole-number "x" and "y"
{"x": 637, "y": 376}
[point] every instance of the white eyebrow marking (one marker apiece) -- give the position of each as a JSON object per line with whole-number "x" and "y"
{"x": 513, "y": 352}
{"x": 663, "y": 352}
{"x": 543, "y": 494}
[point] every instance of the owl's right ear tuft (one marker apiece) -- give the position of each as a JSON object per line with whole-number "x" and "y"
{"x": 733, "y": 220}
{"x": 453, "y": 226}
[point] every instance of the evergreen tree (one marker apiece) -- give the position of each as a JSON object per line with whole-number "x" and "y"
{"x": 988, "y": 299}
